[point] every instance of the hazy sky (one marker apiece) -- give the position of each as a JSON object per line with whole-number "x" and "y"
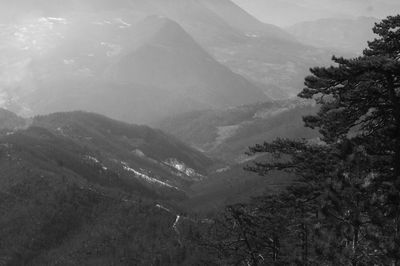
{"x": 287, "y": 12}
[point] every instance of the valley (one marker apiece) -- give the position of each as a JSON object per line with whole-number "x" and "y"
{"x": 68, "y": 176}
{"x": 163, "y": 132}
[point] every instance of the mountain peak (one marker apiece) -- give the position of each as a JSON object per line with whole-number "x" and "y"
{"x": 171, "y": 59}
{"x": 164, "y": 30}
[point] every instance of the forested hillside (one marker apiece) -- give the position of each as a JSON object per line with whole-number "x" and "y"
{"x": 238, "y": 173}
{"x": 82, "y": 189}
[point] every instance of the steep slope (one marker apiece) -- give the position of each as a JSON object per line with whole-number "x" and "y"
{"x": 262, "y": 53}
{"x": 171, "y": 59}
{"x": 125, "y": 144}
{"x": 76, "y": 187}
{"x": 151, "y": 67}
{"x": 214, "y": 22}
{"x": 93, "y": 54}
{"x": 239, "y": 19}
{"x": 58, "y": 209}
{"x": 108, "y": 152}
{"x": 347, "y": 35}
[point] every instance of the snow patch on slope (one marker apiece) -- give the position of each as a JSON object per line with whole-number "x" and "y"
{"x": 123, "y": 24}
{"x": 163, "y": 208}
{"x": 96, "y": 161}
{"x": 182, "y": 167}
{"x": 146, "y": 177}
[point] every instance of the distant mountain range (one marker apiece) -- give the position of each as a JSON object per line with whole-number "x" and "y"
{"x": 163, "y": 71}
{"x": 285, "y": 13}
{"x": 141, "y": 61}
{"x": 345, "y": 35}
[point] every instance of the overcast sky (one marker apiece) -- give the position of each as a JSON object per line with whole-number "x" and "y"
{"x": 288, "y": 12}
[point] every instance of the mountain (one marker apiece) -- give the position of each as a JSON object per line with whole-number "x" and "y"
{"x": 285, "y": 13}
{"x": 108, "y": 152}
{"x": 239, "y": 19}
{"x": 157, "y": 154}
{"x": 211, "y": 21}
{"x": 150, "y": 66}
{"x": 263, "y": 53}
{"x": 294, "y": 11}
{"x": 347, "y": 35}
{"x": 227, "y": 134}
{"x": 76, "y": 187}
{"x": 172, "y": 60}
{"x": 154, "y": 58}
{"x": 10, "y": 121}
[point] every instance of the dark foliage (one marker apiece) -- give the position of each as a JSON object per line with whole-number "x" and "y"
{"x": 344, "y": 208}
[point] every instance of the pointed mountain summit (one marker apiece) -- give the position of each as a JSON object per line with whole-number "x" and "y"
{"x": 171, "y": 59}
{"x": 186, "y": 55}
{"x": 139, "y": 73}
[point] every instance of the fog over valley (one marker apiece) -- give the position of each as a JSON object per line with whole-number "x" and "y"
{"x": 193, "y": 55}
{"x": 285, "y": 13}
{"x": 199, "y": 132}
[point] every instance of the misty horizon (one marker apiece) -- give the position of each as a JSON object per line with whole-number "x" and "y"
{"x": 222, "y": 47}
{"x": 285, "y": 13}
{"x": 199, "y": 132}
{"x": 282, "y": 13}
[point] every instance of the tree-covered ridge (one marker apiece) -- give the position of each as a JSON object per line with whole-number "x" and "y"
{"x": 75, "y": 190}
{"x": 344, "y": 208}
{"x": 79, "y": 188}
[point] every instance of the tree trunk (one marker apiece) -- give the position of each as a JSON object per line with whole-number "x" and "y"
{"x": 355, "y": 246}
{"x": 305, "y": 244}
{"x": 275, "y": 249}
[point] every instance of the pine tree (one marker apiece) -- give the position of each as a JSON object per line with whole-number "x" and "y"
{"x": 352, "y": 181}
{"x": 344, "y": 206}
{"x": 360, "y": 100}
